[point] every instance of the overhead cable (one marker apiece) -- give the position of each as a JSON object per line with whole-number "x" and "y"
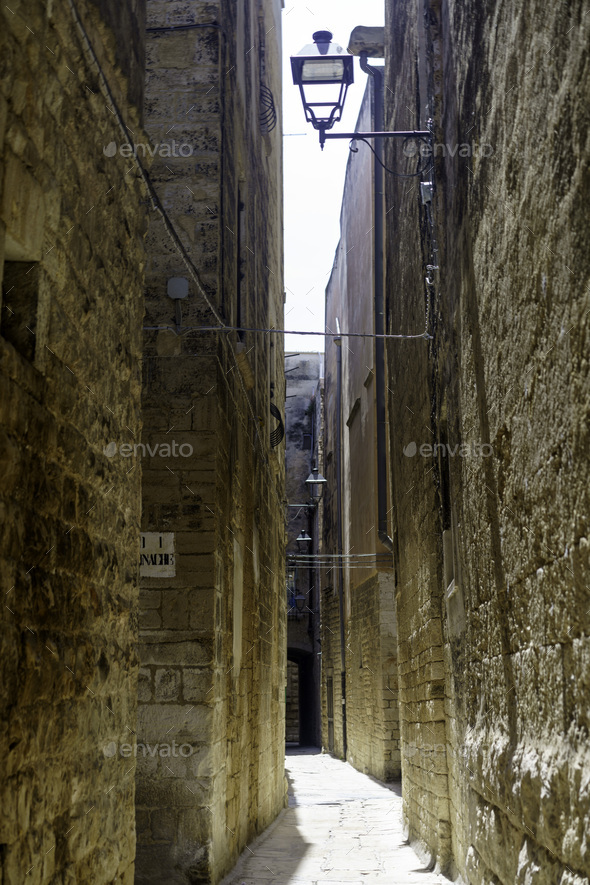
{"x": 284, "y": 332}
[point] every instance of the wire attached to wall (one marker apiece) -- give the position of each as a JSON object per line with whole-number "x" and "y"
{"x": 327, "y": 334}
{"x": 421, "y": 170}
{"x": 368, "y": 563}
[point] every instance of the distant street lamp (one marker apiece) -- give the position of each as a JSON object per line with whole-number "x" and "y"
{"x": 324, "y": 71}
{"x": 304, "y": 542}
{"x": 315, "y": 482}
{"x": 300, "y": 601}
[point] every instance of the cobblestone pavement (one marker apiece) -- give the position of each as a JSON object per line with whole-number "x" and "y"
{"x": 341, "y": 826}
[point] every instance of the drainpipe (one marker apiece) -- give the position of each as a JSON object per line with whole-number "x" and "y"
{"x": 338, "y": 343}
{"x": 378, "y": 188}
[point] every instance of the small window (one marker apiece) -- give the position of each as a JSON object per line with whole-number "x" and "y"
{"x": 307, "y": 442}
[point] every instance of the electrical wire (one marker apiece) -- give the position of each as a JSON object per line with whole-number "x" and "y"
{"x": 326, "y": 566}
{"x": 421, "y": 170}
{"x": 281, "y": 332}
{"x": 334, "y": 563}
{"x": 338, "y": 555}
{"x": 345, "y": 564}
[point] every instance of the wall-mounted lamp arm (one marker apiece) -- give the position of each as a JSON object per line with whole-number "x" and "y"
{"x": 411, "y": 133}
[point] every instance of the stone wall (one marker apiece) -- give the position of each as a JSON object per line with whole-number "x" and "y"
{"x": 71, "y": 252}
{"x": 370, "y": 630}
{"x": 212, "y": 633}
{"x": 332, "y": 730}
{"x": 372, "y": 698}
{"x": 491, "y": 527}
{"x": 417, "y": 531}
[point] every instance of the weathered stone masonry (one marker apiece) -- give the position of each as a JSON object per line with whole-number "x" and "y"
{"x": 492, "y": 551}
{"x": 213, "y": 635}
{"x": 370, "y": 623}
{"x": 71, "y": 254}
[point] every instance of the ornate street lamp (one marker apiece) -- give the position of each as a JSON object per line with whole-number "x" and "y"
{"x": 323, "y": 71}
{"x": 315, "y": 482}
{"x": 304, "y": 542}
{"x": 297, "y": 603}
{"x": 300, "y": 601}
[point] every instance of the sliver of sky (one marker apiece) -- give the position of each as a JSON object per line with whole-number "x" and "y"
{"x": 314, "y": 179}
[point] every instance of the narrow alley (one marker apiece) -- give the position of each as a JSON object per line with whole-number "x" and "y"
{"x": 341, "y": 826}
{"x": 294, "y": 442}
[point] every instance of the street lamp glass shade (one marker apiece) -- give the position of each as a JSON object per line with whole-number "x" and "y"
{"x": 315, "y": 482}
{"x": 323, "y": 71}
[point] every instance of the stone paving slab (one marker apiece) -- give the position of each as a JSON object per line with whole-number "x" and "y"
{"x": 341, "y": 828}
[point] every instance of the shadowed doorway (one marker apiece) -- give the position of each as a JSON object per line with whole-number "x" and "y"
{"x": 302, "y": 700}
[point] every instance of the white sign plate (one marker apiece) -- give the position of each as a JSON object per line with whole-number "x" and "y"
{"x": 157, "y": 558}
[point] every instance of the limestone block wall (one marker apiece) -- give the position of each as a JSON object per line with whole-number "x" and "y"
{"x": 372, "y": 700}
{"x": 372, "y": 721}
{"x": 332, "y": 734}
{"x": 492, "y": 562}
{"x": 213, "y": 634}
{"x": 71, "y": 258}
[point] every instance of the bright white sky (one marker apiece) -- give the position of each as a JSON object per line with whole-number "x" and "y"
{"x": 313, "y": 178}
